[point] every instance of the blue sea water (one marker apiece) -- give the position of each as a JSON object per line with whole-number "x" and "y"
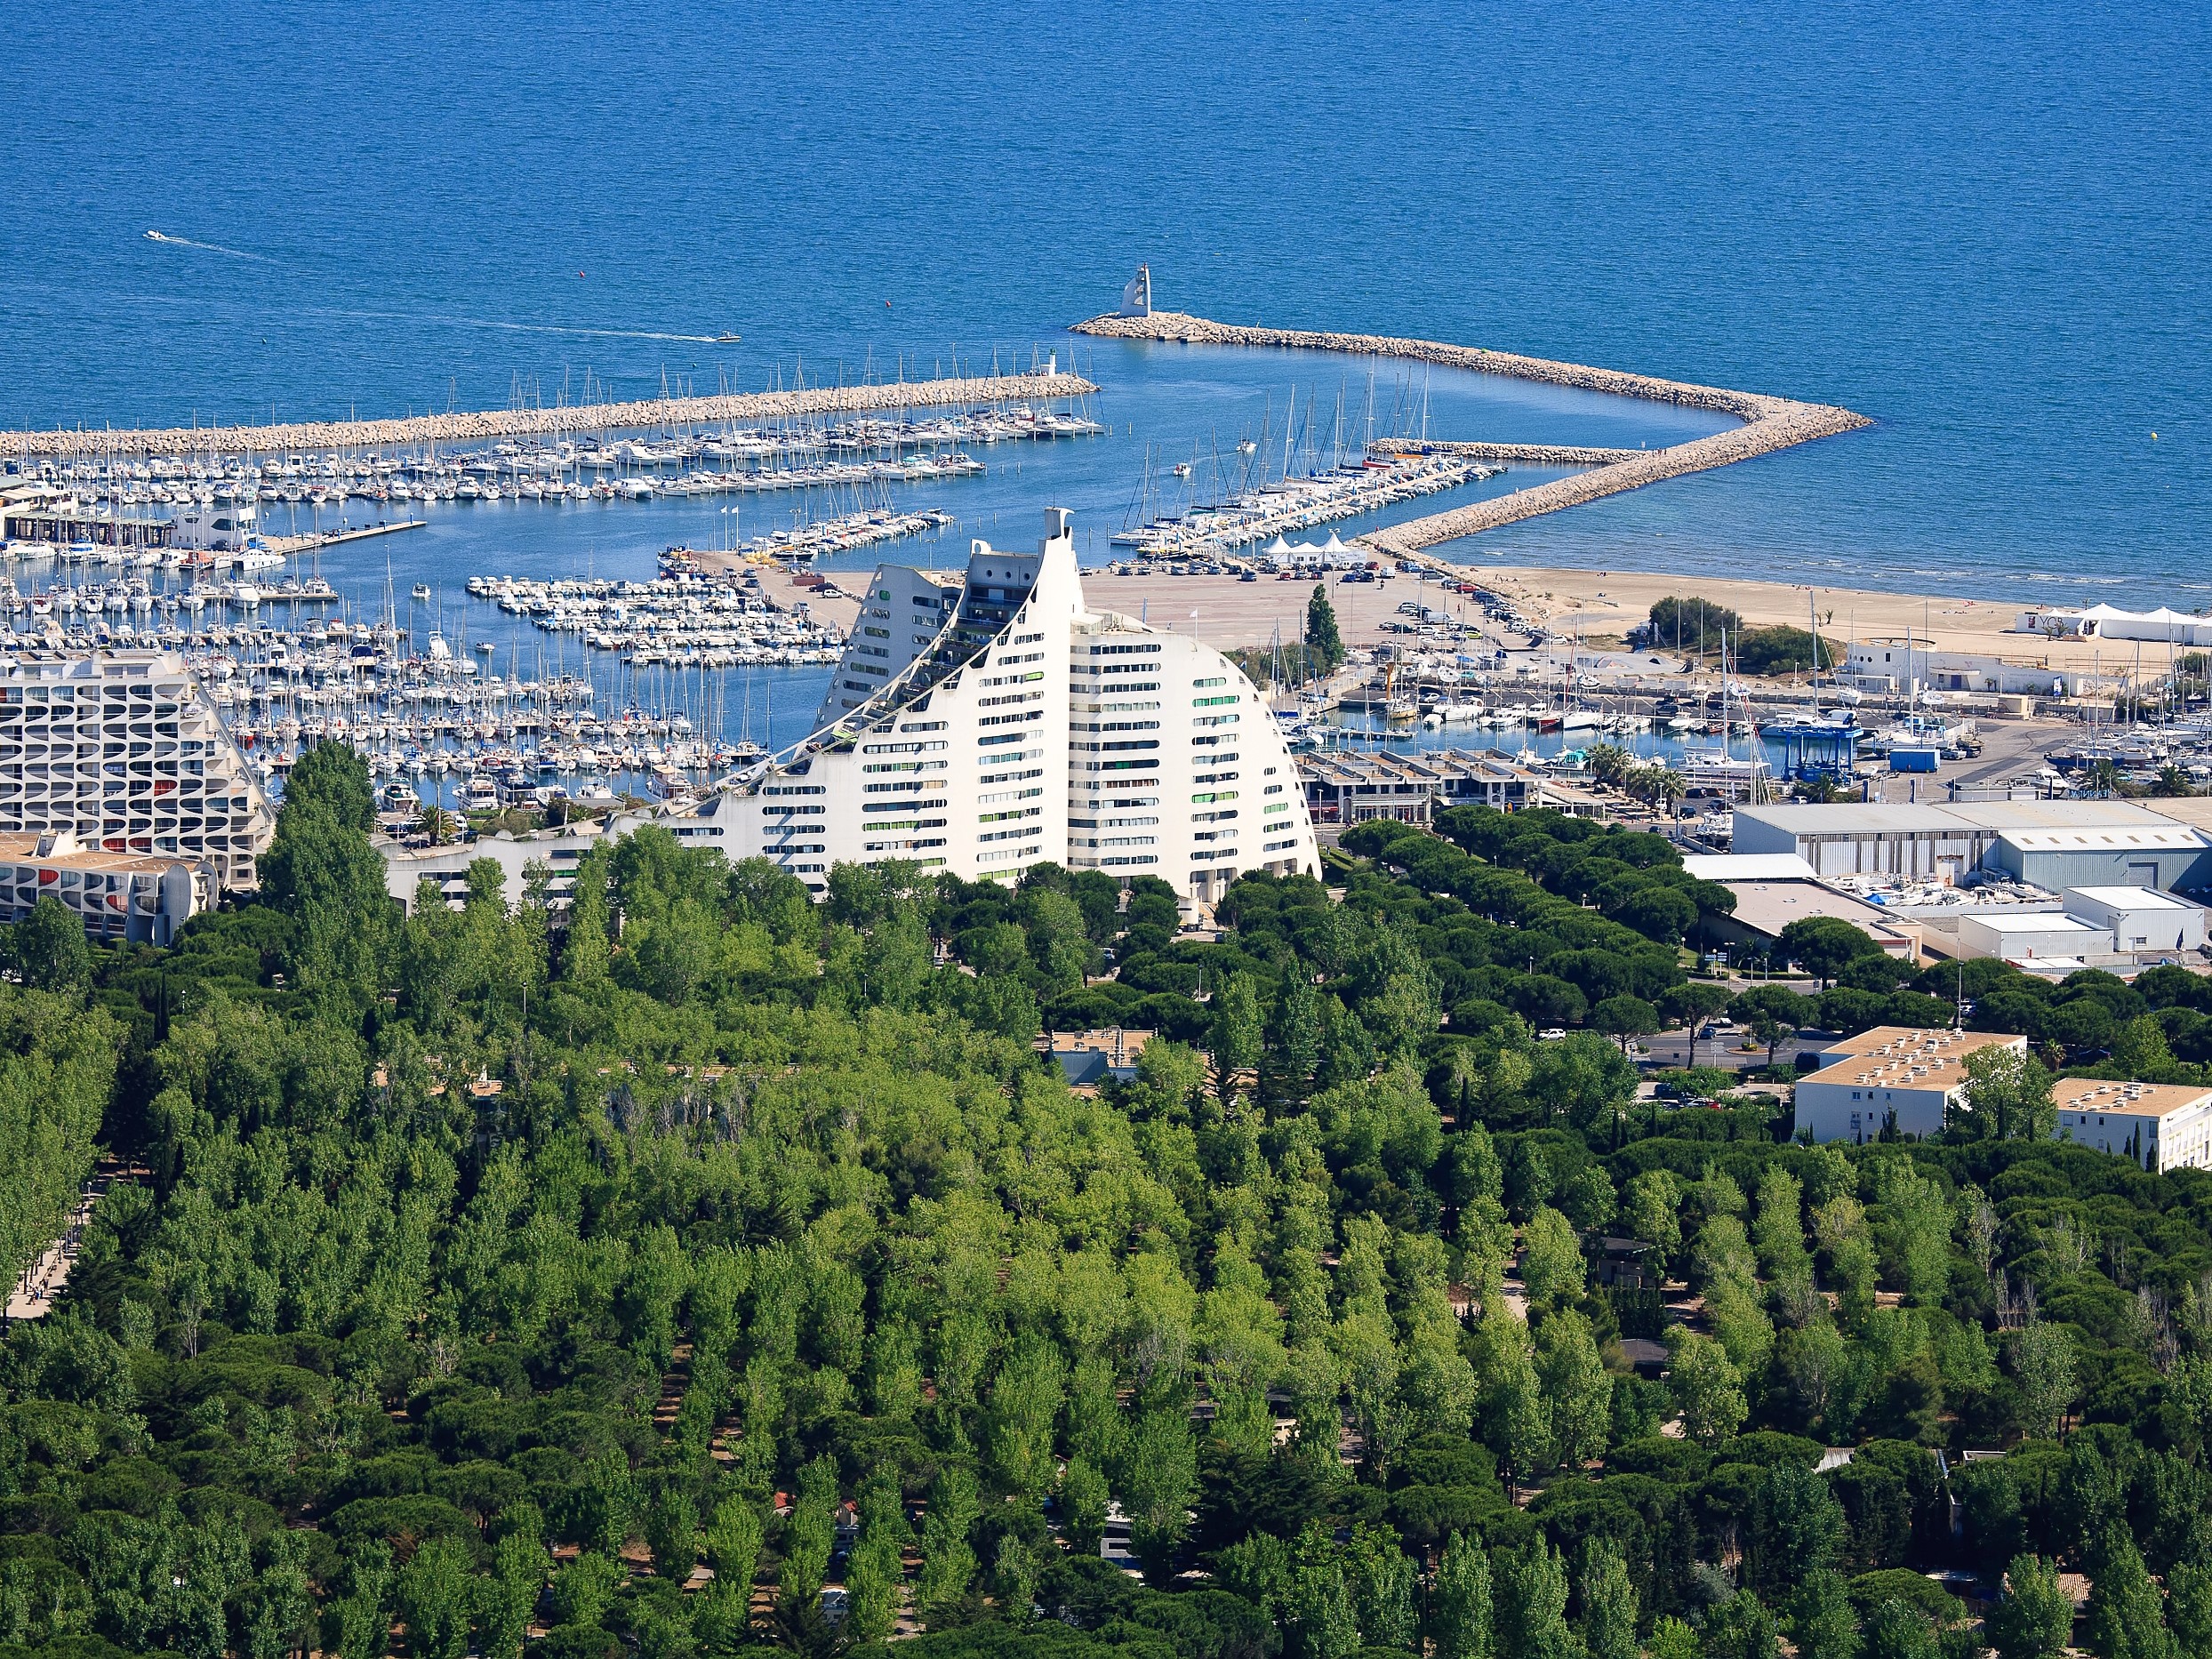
{"x": 1990, "y": 228}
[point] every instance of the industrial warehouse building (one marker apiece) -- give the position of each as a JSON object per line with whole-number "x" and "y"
{"x": 2025, "y": 936}
{"x": 986, "y": 724}
{"x": 2139, "y": 918}
{"x": 2048, "y": 844}
{"x": 1774, "y": 889}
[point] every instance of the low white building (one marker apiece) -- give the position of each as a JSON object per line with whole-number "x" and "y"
{"x": 559, "y": 850}
{"x": 2139, "y": 918}
{"x": 1314, "y": 556}
{"x": 1890, "y": 1078}
{"x": 2160, "y": 1127}
{"x": 1892, "y": 666}
{"x": 2021, "y": 935}
{"x": 117, "y": 895}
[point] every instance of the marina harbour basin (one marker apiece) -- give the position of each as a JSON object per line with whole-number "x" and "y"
{"x": 1171, "y": 429}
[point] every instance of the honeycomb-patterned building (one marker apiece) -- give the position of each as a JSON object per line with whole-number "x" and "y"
{"x": 121, "y": 751}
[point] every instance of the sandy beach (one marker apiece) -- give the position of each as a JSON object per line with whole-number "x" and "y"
{"x": 1600, "y": 606}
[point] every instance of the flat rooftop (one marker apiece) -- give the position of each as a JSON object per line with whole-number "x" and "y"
{"x": 2131, "y": 1100}
{"x": 2132, "y": 898}
{"x": 1365, "y": 767}
{"x": 1911, "y": 1059}
{"x": 1748, "y": 867}
{"x": 2011, "y": 819}
{"x": 1768, "y": 907}
{"x": 2106, "y": 837}
{"x": 2030, "y": 922}
{"x": 66, "y": 852}
{"x": 1878, "y": 1037}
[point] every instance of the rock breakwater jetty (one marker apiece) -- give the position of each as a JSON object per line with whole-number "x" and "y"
{"x": 1770, "y": 423}
{"x": 476, "y": 426}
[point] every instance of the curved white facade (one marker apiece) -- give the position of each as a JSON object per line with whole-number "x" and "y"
{"x": 984, "y": 724}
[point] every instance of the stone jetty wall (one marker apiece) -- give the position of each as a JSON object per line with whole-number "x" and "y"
{"x": 1528, "y": 454}
{"x": 481, "y": 425}
{"x": 1770, "y": 423}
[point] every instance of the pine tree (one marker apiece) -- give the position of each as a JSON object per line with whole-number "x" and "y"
{"x": 1577, "y": 1388}
{"x": 1294, "y": 1039}
{"x": 1381, "y": 1575}
{"x": 1234, "y": 1035}
{"x": 1823, "y": 1622}
{"x": 2189, "y": 1608}
{"x": 947, "y": 1563}
{"x": 1319, "y": 1619}
{"x": 585, "y": 954}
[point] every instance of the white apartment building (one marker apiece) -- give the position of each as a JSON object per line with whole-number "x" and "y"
{"x": 121, "y": 751}
{"x": 985, "y": 723}
{"x": 1890, "y": 1074}
{"x": 117, "y": 895}
{"x": 2160, "y": 1127}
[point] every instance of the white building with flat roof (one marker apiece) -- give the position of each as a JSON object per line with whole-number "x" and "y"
{"x": 1890, "y": 665}
{"x": 983, "y": 724}
{"x": 2139, "y": 918}
{"x": 2026, "y": 936}
{"x": 1890, "y": 1078}
{"x": 2160, "y": 1127}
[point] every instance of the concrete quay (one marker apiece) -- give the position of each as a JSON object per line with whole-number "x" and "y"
{"x": 309, "y": 542}
{"x": 1770, "y": 423}
{"x": 469, "y": 427}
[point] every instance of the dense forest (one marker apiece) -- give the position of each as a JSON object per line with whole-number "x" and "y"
{"x": 702, "y": 1267}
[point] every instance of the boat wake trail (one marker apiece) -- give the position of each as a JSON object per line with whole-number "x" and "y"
{"x": 438, "y": 321}
{"x": 208, "y": 247}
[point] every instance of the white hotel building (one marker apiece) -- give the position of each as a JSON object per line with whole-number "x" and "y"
{"x": 984, "y": 724}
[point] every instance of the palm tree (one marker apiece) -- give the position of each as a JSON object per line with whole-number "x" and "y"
{"x": 1609, "y": 763}
{"x": 436, "y": 823}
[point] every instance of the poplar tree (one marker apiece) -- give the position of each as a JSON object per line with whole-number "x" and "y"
{"x": 1608, "y": 1600}
{"x": 2035, "y": 1618}
{"x": 1323, "y": 644}
{"x": 1462, "y": 1621}
{"x": 2124, "y": 1619}
{"x": 1532, "y": 1604}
